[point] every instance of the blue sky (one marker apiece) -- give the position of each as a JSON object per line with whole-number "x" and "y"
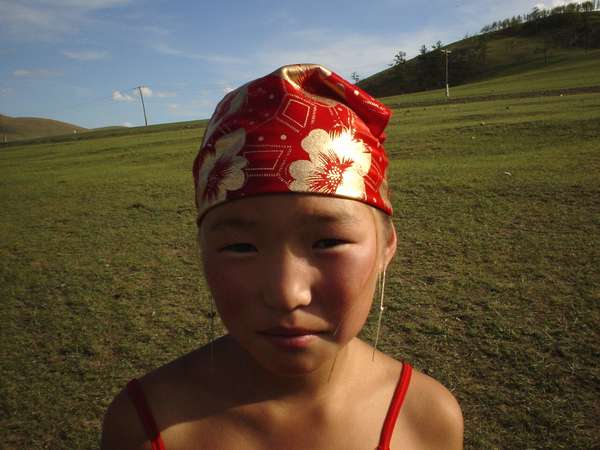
{"x": 79, "y": 60}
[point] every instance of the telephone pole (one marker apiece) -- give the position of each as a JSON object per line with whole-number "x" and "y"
{"x": 139, "y": 88}
{"x": 447, "y": 85}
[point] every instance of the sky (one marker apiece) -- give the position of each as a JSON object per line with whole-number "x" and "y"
{"x": 79, "y": 61}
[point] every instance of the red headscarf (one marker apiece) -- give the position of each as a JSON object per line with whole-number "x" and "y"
{"x": 300, "y": 129}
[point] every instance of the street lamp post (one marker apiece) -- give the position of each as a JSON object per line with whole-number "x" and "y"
{"x": 447, "y": 85}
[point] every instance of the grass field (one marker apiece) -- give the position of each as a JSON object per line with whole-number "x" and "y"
{"x": 494, "y": 291}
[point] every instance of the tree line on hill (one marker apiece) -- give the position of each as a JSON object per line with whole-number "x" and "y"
{"x": 563, "y": 26}
{"x": 540, "y": 13}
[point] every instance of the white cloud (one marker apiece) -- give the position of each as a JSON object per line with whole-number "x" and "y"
{"x": 166, "y": 49}
{"x": 362, "y": 53}
{"x": 546, "y": 4}
{"x": 35, "y": 73}
{"x": 85, "y": 55}
{"x": 118, "y": 96}
{"x": 127, "y": 124}
{"x": 5, "y": 91}
{"x": 48, "y": 20}
{"x": 474, "y": 15}
{"x": 157, "y": 94}
{"x": 146, "y": 91}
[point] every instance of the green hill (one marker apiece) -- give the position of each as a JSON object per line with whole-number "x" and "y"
{"x": 548, "y": 44}
{"x": 109, "y": 132}
{"x": 16, "y": 128}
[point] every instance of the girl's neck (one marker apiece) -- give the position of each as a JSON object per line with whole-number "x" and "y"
{"x": 246, "y": 374}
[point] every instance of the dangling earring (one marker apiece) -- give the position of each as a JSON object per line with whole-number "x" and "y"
{"x": 381, "y": 283}
{"x": 212, "y": 315}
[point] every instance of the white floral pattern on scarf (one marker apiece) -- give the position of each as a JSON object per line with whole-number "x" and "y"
{"x": 338, "y": 164}
{"x": 222, "y": 170}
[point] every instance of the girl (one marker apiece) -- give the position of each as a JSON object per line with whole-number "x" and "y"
{"x": 295, "y": 237}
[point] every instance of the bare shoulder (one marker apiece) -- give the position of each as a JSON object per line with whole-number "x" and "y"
{"x": 122, "y": 428}
{"x": 434, "y": 414}
{"x": 169, "y": 392}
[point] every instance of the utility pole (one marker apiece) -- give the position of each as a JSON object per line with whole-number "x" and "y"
{"x": 139, "y": 88}
{"x": 447, "y": 86}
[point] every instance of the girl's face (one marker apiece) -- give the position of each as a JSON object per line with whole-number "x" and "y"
{"x": 293, "y": 275}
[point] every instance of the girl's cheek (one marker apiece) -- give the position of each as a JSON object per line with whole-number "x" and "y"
{"x": 229, "y": 311}
{"x": 354, "y": 270}
{"x": 228, "y": 290}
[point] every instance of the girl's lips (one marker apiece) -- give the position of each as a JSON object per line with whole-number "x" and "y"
{"x": 282, "y": 331}
{"x": 290, "y": 338}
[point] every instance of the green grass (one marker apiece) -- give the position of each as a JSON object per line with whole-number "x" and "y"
{"x": 494, "y": 290}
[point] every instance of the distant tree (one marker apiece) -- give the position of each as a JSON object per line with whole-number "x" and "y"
{"x": 399, "y": 58}
{"x": 437, "y": 45}
{"x": 355, "y": 77}
{"x": 545, "y": 50}
{"x": 587, "y": 6}
{"x": 571, "y": 7}
{"x": 423, "y": 50}
{"x": 482, "y": 49}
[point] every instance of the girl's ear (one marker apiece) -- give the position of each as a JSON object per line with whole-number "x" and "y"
{"x": 390, "y": 245}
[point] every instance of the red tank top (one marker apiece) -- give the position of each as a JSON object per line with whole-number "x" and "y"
{"x": 145, "y": 414}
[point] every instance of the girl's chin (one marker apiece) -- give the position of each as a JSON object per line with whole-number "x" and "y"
{"x": 293, "y": 358}
{"x": 295, "y": 363}
{"x": 294, "y": 369}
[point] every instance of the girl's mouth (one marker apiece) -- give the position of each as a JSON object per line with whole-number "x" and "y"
{"x": 290, "y": 338}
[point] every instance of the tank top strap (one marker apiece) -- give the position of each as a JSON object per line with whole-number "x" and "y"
{"x": 394, "y": 409}
{"x": 136, "y": 395}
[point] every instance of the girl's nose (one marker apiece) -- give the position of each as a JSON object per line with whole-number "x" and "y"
{"x": 287, "y": 284}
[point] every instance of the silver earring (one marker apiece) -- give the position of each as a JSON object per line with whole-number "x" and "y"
{"x": 381, "y": 283}
{"x": 212, "y": 315}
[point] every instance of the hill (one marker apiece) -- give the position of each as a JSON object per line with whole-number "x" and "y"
{"x": 109, "y": 132}
{"x": 539, "y": 44}
{"x": 16, "y": 128}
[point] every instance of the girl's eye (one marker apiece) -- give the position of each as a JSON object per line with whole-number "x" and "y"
{"x": 239, "y": 248}
{"x": 328, "y": 243}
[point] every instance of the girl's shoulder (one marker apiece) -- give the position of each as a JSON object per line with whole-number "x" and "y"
{"x": 166, "y": 392}
{"x": 431, "y": 417}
